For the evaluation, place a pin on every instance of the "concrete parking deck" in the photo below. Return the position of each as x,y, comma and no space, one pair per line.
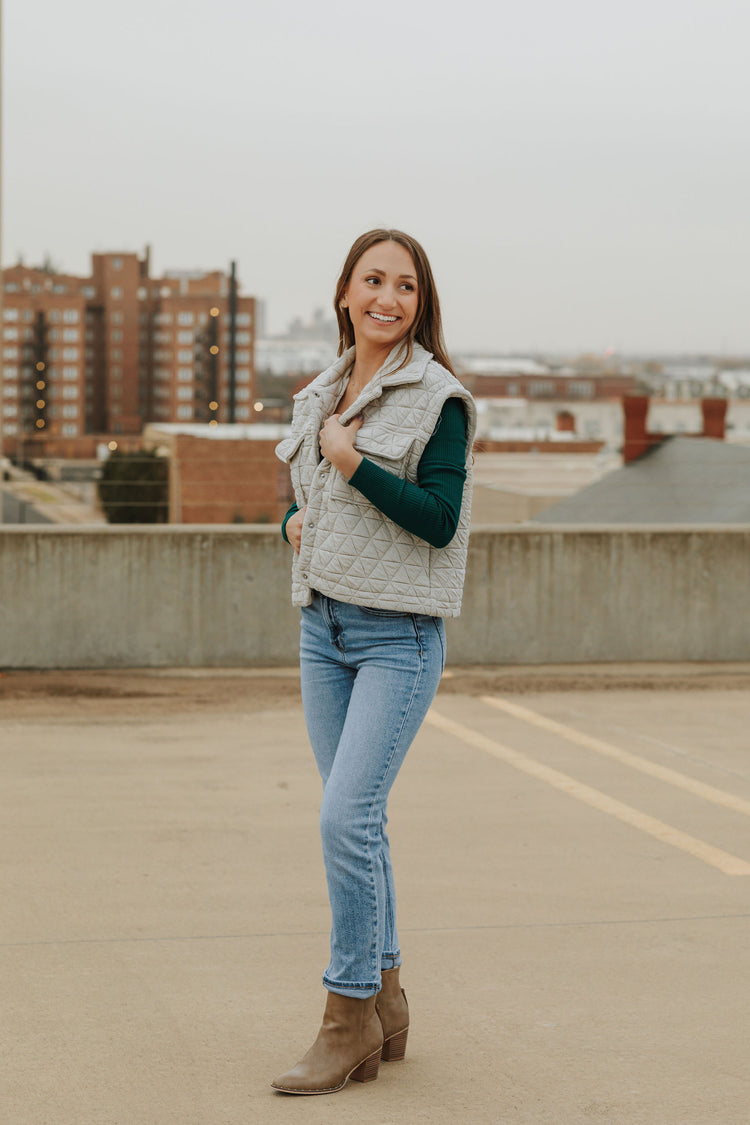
573,867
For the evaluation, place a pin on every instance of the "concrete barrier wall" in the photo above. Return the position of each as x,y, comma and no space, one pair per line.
110,597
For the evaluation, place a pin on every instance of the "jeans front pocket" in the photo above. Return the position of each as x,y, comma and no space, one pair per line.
383,612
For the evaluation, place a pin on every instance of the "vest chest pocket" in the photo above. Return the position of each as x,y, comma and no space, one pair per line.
390,451
387,452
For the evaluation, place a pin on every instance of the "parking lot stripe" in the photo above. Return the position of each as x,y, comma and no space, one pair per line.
665,833
635,761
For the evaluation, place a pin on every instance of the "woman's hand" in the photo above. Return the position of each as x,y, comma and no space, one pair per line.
294,528
337,444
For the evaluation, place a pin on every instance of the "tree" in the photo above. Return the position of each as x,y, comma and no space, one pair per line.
133,488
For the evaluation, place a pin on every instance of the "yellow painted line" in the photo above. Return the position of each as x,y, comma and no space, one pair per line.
665,833
635,761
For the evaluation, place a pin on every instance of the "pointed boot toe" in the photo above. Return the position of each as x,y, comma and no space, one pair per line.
348,1046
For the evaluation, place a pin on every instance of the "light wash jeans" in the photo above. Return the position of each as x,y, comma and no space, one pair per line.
368,679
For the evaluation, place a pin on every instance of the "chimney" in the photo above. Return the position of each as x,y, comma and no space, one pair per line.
714,417
636,440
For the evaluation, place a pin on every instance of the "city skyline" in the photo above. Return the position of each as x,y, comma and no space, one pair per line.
578,177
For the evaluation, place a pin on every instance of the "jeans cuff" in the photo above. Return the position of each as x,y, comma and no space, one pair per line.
390,961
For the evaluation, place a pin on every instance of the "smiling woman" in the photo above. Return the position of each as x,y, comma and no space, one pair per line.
380,459
382,301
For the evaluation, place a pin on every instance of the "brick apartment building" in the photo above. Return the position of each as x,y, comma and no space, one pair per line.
105,354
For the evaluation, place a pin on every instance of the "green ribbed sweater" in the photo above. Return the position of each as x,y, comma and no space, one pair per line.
429,509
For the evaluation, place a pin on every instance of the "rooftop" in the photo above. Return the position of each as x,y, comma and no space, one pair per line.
692,480
573,855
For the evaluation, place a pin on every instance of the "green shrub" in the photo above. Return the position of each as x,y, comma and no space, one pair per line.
134,488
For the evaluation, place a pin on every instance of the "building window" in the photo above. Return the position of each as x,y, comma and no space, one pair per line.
70,411
11,372
243,375
184,337
10,427
68,353
243,394
11,287
243,337
70,316
70,334
117,263
10,353
185,374
581,389
116,335
243,412
243,319
183,356
10,390
541,388
184,412
116,293
70,372
70,392
10,314
185,318
89,292
116,353
10,410
243,357
70,429
10,333
185,393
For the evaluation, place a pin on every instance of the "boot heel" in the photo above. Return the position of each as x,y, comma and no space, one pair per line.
395,1047
367,1071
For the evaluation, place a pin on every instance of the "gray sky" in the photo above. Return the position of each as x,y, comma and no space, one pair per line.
578,173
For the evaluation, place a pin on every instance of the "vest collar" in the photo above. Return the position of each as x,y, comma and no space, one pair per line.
328,387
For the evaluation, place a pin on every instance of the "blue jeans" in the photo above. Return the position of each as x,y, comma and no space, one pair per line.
368,678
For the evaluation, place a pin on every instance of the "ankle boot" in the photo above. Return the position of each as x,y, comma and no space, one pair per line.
348,1046
393,1011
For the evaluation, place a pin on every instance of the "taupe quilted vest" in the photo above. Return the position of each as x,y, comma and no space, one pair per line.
350,550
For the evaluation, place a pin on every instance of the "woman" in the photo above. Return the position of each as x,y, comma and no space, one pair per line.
380,459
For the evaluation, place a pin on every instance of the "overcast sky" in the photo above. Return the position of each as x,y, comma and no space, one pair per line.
579,172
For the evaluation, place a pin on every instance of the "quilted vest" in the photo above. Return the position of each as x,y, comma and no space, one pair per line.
350,550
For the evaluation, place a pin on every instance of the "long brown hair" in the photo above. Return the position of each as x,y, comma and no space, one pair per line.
427,328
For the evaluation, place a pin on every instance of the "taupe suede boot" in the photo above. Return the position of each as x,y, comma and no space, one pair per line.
393,1011
348,1046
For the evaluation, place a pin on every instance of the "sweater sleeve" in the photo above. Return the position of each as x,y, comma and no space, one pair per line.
429,509
294,508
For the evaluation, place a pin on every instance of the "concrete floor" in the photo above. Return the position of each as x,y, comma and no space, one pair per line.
574,888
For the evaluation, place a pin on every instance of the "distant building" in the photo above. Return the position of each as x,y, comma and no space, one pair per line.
304,349
107,353
223,474
283,357
530,380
